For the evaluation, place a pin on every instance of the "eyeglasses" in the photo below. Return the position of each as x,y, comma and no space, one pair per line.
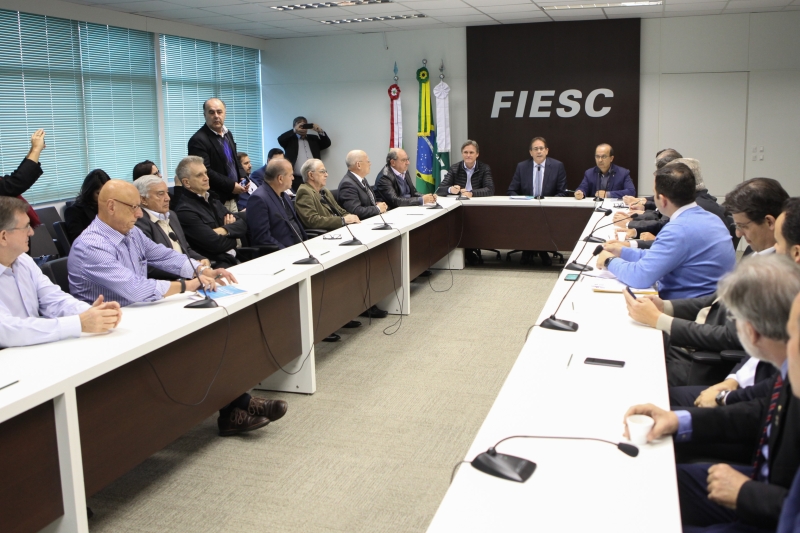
741,226
26,227
323,171
134,208
601,157
538,149
406,160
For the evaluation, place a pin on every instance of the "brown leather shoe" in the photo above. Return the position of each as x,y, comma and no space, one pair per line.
271,409
240,421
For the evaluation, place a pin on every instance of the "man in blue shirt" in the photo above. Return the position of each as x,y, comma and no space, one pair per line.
605,179
689,255
760,294
33,310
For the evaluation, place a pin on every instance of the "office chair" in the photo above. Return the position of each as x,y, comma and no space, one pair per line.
56,270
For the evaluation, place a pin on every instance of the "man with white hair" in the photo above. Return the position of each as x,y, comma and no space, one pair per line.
160,224
316,207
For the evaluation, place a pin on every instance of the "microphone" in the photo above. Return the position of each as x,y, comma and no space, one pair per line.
436,205
310,260
385,224
353,241
591,238
518,469
206,302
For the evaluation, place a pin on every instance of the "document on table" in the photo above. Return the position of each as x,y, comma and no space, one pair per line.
521,197
613,285
602,274
221,292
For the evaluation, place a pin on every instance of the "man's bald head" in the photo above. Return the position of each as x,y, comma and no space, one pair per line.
358,162
119,205
278,175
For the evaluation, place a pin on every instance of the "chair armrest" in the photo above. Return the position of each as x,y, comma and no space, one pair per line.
733,356
707,358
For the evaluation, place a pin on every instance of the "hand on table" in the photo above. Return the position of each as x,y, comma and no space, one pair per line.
101,317
658,302
724,484
428,198
614,247
579,195
382,206
666,422
647,236
600,194
222,276
642,310
351,219
601,259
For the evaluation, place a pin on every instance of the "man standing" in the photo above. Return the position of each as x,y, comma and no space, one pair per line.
540,175
32,309
214,143
394,183
300,147
469,177
605,179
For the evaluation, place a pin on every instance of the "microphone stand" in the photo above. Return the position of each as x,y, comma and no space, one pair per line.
206,302
353,241
592,238
310,260
574,265
385,224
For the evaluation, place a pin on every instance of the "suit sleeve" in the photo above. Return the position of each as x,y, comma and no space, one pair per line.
446,183
687,308
348,198
761,389
760,504
705,336
21,179
585,186
488,184
307,213
197,231
516,182
218,182
628,188
324,141
386,190
259,229
283,140
561,181
654,225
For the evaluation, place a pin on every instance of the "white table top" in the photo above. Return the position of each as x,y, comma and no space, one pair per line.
578,485
506,201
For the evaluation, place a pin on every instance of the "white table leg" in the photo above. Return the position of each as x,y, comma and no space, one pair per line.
71,467
303,376
399,301
452,261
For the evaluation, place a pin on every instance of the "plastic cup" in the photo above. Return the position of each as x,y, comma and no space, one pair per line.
622,235
638,428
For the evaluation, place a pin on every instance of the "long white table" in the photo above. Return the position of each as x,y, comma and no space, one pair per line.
577,485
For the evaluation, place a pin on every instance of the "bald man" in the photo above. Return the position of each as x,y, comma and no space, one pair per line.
355,194
110,259
605,179
270,210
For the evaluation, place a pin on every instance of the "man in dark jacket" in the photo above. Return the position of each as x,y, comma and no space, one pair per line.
394,182
22,179
468,177
214,143
300,147
725,498
210,228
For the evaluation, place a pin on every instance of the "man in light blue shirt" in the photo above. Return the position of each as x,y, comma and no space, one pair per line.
691,253
760,294
32,309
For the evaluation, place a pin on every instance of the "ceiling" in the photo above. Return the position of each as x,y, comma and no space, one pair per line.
256,18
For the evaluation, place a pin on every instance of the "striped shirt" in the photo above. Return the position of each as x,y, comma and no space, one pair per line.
104,261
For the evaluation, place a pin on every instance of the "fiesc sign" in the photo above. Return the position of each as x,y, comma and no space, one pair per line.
569,100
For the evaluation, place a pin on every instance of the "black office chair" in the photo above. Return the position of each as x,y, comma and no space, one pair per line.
335,193
558,255
710,368
42,244
56,270
48,216
62,239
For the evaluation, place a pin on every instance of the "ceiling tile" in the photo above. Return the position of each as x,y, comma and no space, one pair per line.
412,24
432,4
325,13
138,7
698,6
464,18
637,10
458,12
684,2
515,8
271,16
611,15
765,9
497,3
239,9
740,4
572,13
522,19
207,3
378,9
180,14
691,13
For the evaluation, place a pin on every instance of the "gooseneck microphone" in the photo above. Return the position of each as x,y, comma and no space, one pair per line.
385,224
592,238
206,302
310,260
518,469
353,241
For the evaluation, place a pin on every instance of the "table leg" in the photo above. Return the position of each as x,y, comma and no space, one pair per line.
399,301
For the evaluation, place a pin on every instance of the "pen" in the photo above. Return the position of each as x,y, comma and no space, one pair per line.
279,271
12,383
417,214
570,360
323,253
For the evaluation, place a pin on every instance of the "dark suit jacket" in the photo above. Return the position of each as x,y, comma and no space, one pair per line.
619,184
20,181
289,143
389,190
313,214
154,232
717,334
482,184
355,198
790,515
554,182
762,386
206,144
652,221
758,503
199,218
268,219
77,218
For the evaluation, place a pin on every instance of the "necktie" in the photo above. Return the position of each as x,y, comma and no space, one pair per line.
369,190
760,457
537,182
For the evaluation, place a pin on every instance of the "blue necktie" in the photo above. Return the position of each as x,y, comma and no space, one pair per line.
537,181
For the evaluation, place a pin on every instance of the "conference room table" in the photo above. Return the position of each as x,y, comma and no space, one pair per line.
578,485
77,414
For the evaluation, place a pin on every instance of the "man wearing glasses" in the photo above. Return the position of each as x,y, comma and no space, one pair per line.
316,207
605,179
394,182
540,175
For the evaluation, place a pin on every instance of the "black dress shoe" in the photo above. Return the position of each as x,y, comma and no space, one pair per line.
546,260
471,256
426,274
333,337
352,324
240,421
374,312
272,409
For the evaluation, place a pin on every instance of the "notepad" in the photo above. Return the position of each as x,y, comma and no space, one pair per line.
613,285
521,197
221,292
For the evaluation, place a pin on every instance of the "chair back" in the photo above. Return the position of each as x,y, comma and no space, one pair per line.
42,243
48,216
56,270
62,239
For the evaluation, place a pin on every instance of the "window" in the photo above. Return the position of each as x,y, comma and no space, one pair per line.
192,71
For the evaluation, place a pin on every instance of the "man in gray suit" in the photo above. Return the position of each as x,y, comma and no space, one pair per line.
160,224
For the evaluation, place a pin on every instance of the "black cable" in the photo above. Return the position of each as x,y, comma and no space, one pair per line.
453,475
219,367
399,321
549,437
549,231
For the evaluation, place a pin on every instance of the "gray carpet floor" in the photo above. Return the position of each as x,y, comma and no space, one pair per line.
374,448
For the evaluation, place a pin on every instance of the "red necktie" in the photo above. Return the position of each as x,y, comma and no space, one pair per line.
773,402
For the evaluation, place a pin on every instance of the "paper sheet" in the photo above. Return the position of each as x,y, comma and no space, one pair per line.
613,285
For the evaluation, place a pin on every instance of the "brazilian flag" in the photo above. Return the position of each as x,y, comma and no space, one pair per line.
426,137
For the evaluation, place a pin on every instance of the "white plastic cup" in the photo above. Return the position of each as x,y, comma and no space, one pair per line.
622,235
638,428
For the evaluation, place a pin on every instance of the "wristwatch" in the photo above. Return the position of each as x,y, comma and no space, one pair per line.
721,395
183,285
608,260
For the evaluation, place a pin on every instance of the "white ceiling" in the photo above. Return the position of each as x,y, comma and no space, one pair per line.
256,19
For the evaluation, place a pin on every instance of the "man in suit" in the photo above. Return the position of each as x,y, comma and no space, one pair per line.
755,205
214,143
315,205
160,224
394,182
605,179
272,216
210,228
540,175
257,177
356,196
685,262
468,177
790,514
300,147
760,294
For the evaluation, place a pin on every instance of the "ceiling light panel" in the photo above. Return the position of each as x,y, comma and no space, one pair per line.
373,19
322,5
601,5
